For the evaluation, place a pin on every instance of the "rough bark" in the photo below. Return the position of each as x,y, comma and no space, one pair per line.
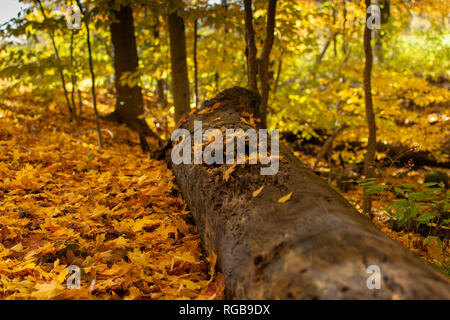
129,102
250,49
178,64
314,246
369,160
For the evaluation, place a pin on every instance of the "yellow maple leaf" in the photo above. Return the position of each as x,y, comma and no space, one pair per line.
285,198
45,291
138,258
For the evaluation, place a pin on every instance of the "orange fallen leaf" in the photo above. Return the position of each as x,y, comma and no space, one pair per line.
228,172
285,198
256,192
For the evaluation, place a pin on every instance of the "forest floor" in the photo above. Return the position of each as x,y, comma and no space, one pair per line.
112,212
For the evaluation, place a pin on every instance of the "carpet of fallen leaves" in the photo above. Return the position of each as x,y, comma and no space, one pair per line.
113,212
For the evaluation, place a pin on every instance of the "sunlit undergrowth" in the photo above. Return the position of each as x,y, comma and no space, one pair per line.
414,214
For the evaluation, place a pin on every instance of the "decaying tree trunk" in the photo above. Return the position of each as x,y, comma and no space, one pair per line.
314,246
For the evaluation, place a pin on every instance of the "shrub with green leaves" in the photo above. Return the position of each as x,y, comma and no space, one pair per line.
425,210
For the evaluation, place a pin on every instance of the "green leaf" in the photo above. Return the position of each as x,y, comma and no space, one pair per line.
417,196
426,217
375,189
399,190
428,184
431,239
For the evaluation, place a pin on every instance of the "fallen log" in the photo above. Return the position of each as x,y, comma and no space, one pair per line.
313,246
395,154
398,155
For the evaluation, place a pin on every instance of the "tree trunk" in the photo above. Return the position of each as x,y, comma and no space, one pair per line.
264,61
344,25
195,63
326,148
178,64
314,246
334,34
129,102
369,161
250,48
73,77
59,63
277,79
91,69
323,51
385,11
162,103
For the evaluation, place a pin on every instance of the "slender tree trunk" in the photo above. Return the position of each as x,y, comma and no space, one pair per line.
344,25
216,80
334,34
73,77
326,148
264,61
277,79
162,102
369,161
80,101
195,63
59,64
129,101
91,68
250,49
160,93
178,64
385,11
323,51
